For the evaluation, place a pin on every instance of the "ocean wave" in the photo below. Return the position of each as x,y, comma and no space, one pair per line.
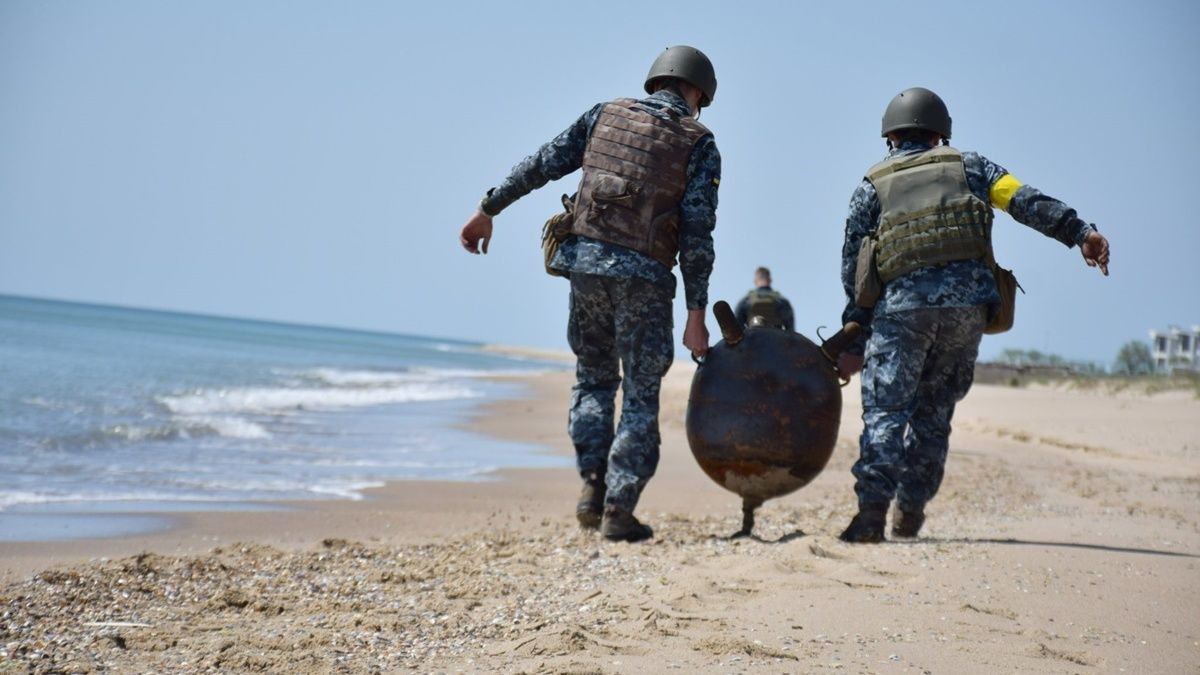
10,499
338,377
183,427
364,378
275,400
201,492
230,427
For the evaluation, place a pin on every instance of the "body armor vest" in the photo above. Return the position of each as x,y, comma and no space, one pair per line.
634,177
928,214
766,305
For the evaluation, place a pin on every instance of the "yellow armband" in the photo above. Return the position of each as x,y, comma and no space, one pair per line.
1003,190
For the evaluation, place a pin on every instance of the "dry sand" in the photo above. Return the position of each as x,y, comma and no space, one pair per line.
1066,539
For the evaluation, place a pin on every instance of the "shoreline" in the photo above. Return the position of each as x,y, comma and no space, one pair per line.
1065,538
294,524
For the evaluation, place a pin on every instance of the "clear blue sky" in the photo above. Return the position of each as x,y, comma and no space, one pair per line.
313,162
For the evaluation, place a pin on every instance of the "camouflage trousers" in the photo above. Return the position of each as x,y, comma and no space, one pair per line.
919,363
615,325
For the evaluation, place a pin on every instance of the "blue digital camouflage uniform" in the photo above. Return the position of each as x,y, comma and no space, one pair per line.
922,337
620,309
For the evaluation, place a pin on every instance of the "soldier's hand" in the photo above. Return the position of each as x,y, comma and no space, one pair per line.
695,333
1095,251
477,229
849,364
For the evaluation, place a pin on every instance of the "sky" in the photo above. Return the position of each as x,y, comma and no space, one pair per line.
313,162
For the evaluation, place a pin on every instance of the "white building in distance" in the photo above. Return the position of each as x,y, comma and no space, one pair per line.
1176,349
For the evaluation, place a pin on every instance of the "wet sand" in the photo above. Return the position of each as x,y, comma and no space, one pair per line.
1066,539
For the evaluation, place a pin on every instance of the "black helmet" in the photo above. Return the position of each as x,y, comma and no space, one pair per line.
917,108
688,64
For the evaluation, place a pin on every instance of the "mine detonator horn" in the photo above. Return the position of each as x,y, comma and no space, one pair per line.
731,328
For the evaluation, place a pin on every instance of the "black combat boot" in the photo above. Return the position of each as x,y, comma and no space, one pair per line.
907,523
590,508
620,525
867,526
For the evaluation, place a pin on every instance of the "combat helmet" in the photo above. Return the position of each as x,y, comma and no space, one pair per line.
917,108
688,64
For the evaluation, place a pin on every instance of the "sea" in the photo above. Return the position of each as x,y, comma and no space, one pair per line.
111,417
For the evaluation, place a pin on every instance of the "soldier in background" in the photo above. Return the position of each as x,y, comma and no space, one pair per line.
648,194
924,330
767,303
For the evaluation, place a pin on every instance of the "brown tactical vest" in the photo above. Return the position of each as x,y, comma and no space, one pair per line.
634,177
928,214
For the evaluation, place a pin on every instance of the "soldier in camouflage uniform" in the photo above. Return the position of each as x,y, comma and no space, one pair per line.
929,209
766,303
648,194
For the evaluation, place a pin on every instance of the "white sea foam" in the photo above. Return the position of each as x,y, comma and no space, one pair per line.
187,426
231,427
351,491
9,498
226,491
364,378
133,432
267,400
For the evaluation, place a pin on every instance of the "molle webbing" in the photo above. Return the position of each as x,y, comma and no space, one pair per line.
634,177
766,305
928,214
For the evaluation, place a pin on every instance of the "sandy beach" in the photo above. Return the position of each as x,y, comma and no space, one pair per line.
1066,539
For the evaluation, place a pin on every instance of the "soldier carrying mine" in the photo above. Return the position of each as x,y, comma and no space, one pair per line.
647,196
921,221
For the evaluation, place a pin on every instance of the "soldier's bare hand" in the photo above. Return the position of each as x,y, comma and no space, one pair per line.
477,229
1095,251
695,333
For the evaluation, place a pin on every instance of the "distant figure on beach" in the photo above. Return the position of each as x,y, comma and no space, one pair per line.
767,303
922,221
648,194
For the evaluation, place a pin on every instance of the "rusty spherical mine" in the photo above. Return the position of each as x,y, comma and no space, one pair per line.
764,411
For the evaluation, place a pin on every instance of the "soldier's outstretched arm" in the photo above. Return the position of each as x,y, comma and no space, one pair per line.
557,158
561,156
1032,208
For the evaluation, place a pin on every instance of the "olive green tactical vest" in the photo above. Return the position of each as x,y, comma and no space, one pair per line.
928,214
634,177
766,305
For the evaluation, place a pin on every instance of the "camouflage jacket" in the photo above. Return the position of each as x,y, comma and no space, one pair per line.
957,284
698,211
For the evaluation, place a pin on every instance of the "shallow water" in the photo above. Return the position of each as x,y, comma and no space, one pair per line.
106,405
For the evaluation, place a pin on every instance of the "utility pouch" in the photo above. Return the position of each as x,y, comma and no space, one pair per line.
555,231
867,287
1000,316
